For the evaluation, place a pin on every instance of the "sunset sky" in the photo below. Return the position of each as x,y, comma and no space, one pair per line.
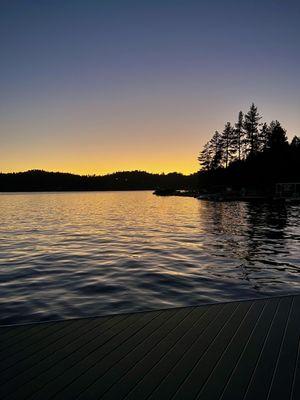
105,85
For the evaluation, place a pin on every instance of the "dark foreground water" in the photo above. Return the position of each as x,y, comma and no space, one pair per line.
68,255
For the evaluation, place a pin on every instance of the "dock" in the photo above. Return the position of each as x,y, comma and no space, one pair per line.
238,350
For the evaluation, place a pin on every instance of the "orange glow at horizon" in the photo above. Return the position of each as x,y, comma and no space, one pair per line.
100,168
94,137
86,142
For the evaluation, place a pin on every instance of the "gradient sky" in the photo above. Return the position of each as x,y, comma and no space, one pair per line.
98,86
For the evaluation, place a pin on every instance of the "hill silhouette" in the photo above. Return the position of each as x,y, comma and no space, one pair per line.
39,180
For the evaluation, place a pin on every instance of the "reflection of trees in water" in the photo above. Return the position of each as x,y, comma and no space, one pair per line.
226,227
265,241
251,234
266,225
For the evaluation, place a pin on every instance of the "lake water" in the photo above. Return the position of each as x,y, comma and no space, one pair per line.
65,255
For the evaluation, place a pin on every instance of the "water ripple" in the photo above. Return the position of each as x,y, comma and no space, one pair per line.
65,255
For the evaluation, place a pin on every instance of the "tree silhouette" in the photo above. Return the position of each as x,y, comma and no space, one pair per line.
295,143
228,143
277,138
216,144
239,135
252,154
205,157
264,136
251,126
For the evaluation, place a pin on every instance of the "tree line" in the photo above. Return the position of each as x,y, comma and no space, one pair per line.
246,138
39,180
250,151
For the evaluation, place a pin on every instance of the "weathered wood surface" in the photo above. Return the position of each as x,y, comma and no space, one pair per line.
240,350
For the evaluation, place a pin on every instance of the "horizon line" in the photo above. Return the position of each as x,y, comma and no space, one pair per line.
100,175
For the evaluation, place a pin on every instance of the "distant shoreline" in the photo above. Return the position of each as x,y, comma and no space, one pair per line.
43,181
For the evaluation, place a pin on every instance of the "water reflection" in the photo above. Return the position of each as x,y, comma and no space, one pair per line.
76,254
257,237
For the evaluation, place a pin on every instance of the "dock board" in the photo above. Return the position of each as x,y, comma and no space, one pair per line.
239,350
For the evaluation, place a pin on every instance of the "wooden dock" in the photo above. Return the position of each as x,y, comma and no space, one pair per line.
238,350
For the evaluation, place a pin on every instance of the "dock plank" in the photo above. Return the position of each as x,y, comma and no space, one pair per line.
286,363
144,337
242,350
238,381
258,315
153,377
52,352
255,381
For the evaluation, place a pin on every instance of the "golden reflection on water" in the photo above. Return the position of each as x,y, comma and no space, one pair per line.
87,253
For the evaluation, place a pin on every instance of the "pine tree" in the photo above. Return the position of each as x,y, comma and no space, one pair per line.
239,136
205,157
251,126
277,137
264,137
227,144
216,150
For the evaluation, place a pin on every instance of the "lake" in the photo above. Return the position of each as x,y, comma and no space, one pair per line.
66,255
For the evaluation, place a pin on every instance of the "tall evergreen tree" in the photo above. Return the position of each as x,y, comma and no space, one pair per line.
264,137
227,144
205,157
216,150
251,126
277,137
239,136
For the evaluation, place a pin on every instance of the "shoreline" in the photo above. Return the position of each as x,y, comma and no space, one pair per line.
226,197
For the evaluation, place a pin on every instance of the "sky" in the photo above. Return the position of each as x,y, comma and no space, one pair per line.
96,86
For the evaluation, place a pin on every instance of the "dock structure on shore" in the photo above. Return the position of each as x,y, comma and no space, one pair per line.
238,350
